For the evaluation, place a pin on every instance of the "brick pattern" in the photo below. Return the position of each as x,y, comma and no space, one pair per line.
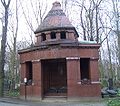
70,35
75,89
57,49
59,52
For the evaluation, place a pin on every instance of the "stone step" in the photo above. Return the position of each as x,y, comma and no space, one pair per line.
54,99
6,93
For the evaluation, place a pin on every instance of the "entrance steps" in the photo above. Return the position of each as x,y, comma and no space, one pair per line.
55,99
6,93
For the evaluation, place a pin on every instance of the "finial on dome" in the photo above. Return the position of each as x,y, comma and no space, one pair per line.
56,5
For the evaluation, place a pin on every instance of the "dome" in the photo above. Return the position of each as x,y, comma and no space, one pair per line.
55,19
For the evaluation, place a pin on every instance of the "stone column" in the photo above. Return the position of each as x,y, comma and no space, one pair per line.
48,37
58,35
38,39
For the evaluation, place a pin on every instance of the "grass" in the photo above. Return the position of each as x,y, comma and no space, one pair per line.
113,102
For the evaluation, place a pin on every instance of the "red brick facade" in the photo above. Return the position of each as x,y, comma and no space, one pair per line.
56,62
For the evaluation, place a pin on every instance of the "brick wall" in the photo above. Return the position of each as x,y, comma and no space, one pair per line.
75,88
59,53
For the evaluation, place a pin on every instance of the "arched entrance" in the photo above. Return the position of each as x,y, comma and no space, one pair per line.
54,77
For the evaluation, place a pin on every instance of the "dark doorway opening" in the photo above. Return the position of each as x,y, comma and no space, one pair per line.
29,72
63,35
53,35
85,68
43,37
54,77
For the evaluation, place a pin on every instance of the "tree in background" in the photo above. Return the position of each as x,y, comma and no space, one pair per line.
112,41
89,12
34,12
12,57
116,25
99,22
3,44
92,18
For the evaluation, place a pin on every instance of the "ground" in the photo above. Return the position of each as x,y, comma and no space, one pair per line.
18,102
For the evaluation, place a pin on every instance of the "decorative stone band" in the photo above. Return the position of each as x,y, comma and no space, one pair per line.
93,82
56,12
72,58
78,58
38,60
78,82
94,58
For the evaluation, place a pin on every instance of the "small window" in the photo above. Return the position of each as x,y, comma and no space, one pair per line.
84,68
43,37
53,35
63,35
29,73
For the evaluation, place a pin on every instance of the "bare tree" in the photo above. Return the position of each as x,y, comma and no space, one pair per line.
33,14
12,61
97,4
3,44
110,73
89,18
116,29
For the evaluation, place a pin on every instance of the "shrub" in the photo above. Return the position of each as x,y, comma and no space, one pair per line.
113,102
14,94
118,94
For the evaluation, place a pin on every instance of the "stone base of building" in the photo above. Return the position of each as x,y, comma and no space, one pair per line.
31,98
59,99
84,99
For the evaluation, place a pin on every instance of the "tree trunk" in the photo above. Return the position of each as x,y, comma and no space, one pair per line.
3,47
110,73
2,61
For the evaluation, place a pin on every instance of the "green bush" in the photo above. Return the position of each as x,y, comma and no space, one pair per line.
104,83
14,94
113,102
118,94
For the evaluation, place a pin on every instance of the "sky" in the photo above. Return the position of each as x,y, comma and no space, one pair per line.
23,30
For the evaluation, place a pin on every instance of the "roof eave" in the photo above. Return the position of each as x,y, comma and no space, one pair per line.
56,28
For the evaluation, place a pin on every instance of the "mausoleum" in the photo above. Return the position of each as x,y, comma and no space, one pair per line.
58,65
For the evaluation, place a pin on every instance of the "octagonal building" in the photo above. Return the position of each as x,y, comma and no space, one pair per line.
59,65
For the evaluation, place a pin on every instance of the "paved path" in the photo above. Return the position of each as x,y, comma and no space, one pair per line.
70,104
9,104
18,102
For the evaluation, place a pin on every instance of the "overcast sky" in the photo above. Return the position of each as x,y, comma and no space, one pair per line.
23,32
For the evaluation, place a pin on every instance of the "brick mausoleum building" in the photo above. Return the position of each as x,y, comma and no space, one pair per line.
58,64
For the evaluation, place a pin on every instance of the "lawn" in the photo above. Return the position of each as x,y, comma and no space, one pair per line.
113,102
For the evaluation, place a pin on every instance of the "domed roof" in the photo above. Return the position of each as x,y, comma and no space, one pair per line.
55,19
